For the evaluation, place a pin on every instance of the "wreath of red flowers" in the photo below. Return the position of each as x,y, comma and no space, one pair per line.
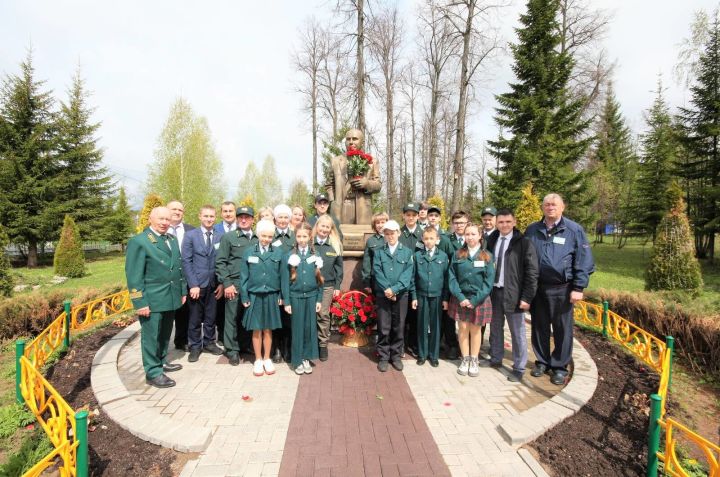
354,312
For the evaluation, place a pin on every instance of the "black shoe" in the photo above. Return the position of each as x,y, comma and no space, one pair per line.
161,381
420,362
453,353
194,355
277,357
213,349
490,364
397,364
171,367
515,377
324,354
538,370
559,377
382,366
434,363
233,359
185,348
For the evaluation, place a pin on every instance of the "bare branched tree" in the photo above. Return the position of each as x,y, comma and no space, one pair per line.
334,89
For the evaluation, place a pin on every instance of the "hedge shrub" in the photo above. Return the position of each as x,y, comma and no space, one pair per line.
69,258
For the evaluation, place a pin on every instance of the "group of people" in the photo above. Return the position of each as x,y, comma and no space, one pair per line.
231,288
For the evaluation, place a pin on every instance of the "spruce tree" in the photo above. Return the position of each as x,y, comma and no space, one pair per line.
84,181
655,171
673,265
30,208
119,224
69,258
6,279
151,201
542,131
701,128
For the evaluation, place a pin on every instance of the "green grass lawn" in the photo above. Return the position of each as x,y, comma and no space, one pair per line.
102,270
623,269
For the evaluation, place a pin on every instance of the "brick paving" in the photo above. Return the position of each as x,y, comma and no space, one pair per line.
351,420
345,419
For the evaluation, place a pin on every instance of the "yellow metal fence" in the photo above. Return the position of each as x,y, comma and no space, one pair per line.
66,429
658,355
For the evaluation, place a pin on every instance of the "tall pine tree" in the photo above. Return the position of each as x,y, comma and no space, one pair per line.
701,127
84,181
29,166
543,133
119,225
656,168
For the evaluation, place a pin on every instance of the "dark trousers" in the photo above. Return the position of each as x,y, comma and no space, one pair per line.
220,318
516,323
181,326
201,322
411,329
429,313
155,333
449,335
282,336
233,316
552,312
391,326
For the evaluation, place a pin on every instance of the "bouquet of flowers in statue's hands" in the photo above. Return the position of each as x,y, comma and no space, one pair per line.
358,163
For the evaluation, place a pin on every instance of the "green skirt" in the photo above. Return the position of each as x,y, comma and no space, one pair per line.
263,312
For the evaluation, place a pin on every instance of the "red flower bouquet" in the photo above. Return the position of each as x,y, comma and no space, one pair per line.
354,312
358,163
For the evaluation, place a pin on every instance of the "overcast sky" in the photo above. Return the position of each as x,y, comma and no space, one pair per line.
231,61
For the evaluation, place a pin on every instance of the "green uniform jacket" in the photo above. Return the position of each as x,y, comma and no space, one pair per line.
471,278
395,272
431,275
230,255
154,274
305,284
373,243
332,270
411,241
260,274
454,243
285,241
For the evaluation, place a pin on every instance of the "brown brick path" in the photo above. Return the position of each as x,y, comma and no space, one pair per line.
351,420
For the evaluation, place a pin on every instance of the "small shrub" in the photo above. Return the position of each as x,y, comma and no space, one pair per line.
33,449
673,265
528,209
6,280
69,258
12,417
151,201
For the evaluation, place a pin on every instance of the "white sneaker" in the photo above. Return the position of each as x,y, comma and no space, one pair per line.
473,369
307,368
464,365
269,367
300,369
258,368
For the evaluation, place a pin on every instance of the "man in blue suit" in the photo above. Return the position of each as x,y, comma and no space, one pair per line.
228,222
198,258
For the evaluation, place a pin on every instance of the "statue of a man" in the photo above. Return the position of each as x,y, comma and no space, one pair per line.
351,196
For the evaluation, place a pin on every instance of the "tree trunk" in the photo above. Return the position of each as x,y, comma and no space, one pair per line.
32,258
314,134
361,65
432,153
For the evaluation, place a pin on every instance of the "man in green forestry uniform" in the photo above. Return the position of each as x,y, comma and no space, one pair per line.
227,268
153,268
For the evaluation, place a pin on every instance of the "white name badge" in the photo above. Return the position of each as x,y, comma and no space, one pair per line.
479,263
217,246
559,240
311,259
277,243
253,259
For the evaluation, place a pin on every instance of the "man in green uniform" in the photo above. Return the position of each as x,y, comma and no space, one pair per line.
153,269
227,268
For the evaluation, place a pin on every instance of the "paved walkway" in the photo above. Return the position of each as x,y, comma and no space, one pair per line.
345,419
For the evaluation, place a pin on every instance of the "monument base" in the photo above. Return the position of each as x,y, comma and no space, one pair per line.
354,238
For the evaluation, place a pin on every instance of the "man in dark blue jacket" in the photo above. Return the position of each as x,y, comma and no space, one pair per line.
198,258
565,265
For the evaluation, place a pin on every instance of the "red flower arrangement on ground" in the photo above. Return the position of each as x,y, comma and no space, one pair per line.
358,163
354,312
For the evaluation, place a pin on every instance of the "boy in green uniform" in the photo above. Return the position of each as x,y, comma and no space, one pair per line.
227,268
373,243
153,269
393,273
411,238
430,296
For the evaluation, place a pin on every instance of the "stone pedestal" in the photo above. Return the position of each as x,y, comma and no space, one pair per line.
354,238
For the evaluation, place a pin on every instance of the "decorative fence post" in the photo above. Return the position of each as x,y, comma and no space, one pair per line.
66,340
654,435
670,342
81,425
19,352
606,308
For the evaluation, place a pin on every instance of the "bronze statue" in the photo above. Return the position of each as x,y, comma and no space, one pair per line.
351,197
